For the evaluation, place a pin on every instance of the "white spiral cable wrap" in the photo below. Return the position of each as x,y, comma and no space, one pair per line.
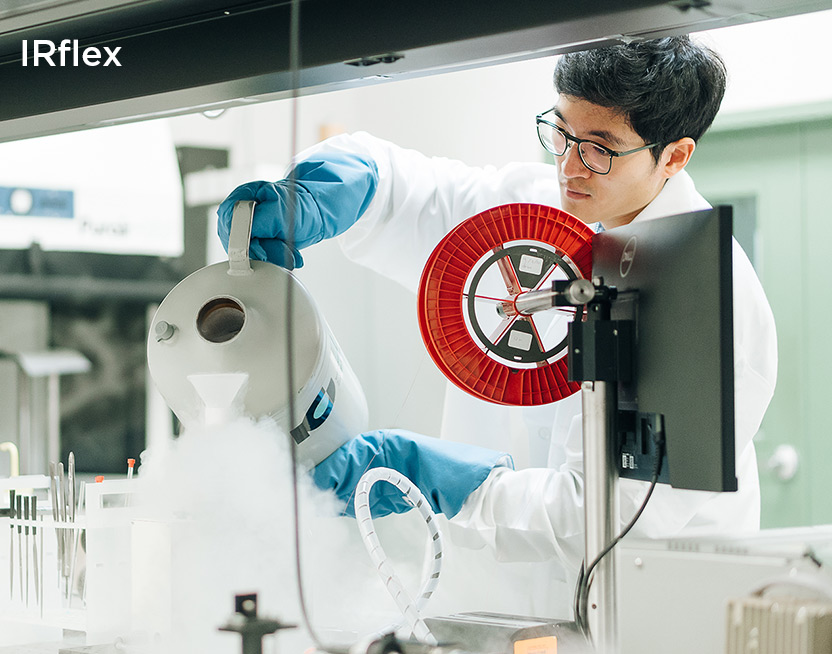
410,610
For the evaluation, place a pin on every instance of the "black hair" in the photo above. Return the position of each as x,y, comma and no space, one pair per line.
667,88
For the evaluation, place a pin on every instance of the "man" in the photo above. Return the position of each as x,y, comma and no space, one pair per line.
624,126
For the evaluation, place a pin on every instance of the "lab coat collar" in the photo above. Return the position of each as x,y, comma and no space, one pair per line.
679,195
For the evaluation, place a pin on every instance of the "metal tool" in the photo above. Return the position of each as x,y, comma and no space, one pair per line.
78,549
65,533
71,540
35,548
26,534
53,497
19,513
71,488
41,570
59,515
11,544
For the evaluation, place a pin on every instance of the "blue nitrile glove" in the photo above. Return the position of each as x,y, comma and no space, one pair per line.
332,193
446,472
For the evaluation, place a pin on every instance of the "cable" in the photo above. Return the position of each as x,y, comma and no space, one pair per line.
294,69
585,575
411,611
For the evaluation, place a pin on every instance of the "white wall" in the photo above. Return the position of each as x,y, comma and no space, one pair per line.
776,65
483,116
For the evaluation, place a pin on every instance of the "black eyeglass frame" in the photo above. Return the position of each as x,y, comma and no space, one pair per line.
574,139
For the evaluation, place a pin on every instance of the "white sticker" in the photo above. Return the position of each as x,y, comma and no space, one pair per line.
520,340
532,265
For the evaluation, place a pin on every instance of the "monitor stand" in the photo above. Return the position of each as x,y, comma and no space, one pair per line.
601,510
600,355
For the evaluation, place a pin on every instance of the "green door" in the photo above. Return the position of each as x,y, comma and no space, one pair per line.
778,178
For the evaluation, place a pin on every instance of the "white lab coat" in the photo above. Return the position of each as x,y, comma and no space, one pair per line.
536,513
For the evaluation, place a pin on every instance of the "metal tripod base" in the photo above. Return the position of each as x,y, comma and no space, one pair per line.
251,628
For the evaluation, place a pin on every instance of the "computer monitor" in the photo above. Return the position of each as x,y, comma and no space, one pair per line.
674,280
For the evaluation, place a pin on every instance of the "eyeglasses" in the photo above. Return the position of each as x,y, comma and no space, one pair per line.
594,156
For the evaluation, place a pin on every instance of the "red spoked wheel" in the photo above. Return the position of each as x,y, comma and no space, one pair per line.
467,295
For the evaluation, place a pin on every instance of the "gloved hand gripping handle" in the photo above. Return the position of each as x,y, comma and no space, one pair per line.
323,197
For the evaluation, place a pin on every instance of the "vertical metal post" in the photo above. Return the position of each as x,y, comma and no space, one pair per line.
594,360
53,398
601,512
24,422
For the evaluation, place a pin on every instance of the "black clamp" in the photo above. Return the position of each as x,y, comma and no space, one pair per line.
599,348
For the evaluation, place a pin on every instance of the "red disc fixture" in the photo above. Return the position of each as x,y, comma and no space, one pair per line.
467,312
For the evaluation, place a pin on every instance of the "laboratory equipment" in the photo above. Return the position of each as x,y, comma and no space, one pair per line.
411,609
75,563
471,295
19,514
494,632
625,346
36,579
65,506
23,515
671,273
47,546
250,626
779,624
12,516
218,347
50,365
704,581
639,421
646,274
14,457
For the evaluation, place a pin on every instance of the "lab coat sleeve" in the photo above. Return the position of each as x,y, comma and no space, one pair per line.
534,514
419,199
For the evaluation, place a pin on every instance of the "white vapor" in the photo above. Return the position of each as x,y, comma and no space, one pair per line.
218,520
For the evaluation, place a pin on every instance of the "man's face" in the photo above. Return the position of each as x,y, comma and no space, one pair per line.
616,198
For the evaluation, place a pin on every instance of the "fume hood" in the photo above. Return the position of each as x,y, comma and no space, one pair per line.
181,56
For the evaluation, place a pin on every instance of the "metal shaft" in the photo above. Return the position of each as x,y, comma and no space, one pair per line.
62,514
35,548
53,487
26,534
41,573
533,301
577,293
19,513
600,509
11,544
53,423
72,535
